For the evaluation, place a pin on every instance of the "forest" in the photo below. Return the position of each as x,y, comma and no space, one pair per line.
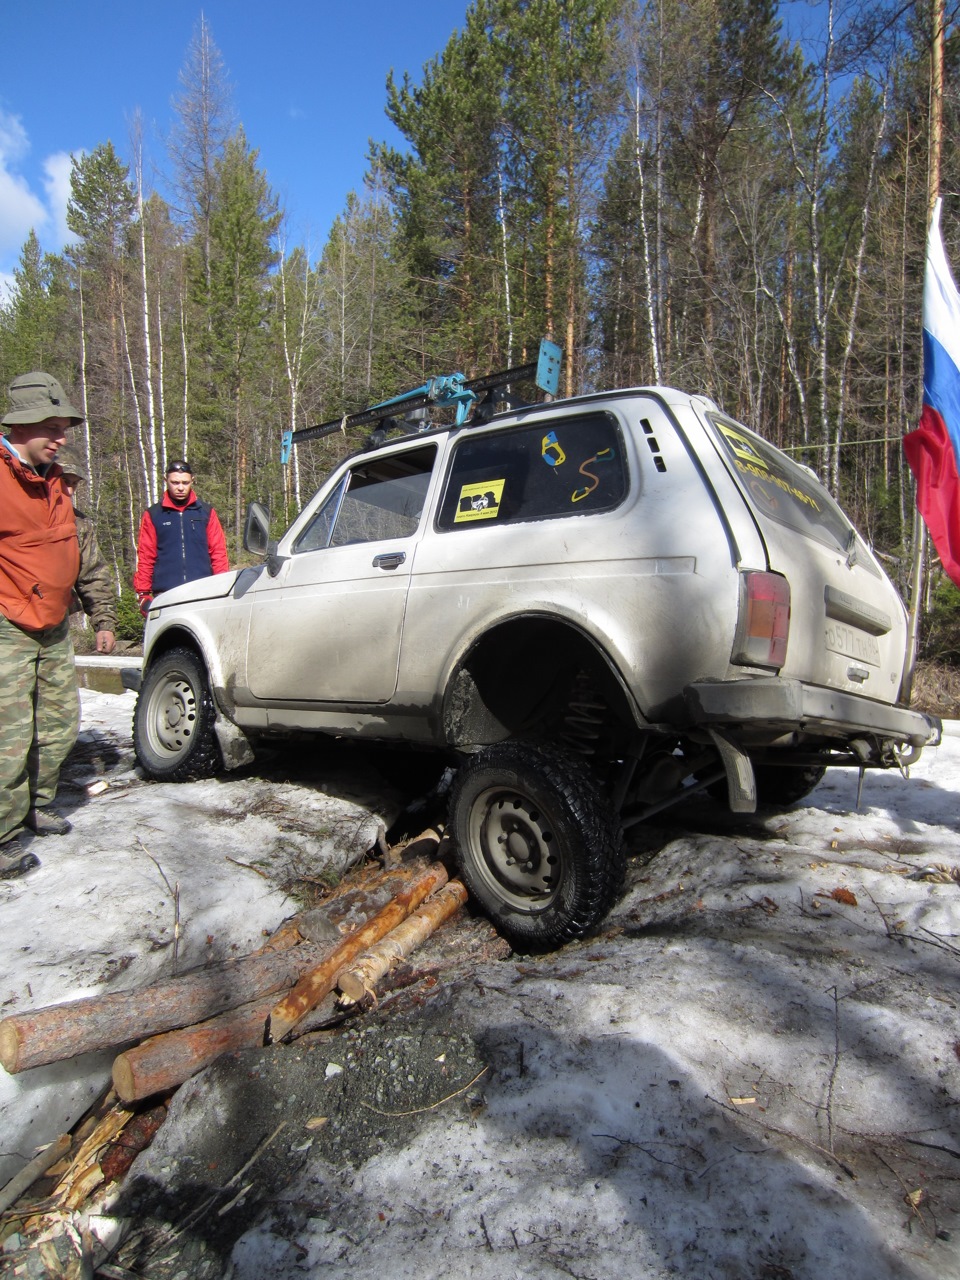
675,191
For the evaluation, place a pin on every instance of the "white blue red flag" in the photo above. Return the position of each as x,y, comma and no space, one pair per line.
933,450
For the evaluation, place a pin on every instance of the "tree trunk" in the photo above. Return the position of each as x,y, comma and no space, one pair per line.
165,1061
97,1022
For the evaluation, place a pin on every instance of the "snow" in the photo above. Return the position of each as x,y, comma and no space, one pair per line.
143,862
752,1070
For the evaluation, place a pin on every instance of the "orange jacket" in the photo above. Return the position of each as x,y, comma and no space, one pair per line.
39,550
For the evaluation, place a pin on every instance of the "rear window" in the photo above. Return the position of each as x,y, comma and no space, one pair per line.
782,490
573,466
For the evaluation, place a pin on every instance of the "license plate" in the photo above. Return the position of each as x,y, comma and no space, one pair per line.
852,644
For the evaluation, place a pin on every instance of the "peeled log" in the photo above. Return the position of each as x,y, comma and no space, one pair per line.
319,982
361,979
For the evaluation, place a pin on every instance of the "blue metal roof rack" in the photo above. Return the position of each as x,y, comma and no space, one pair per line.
441,392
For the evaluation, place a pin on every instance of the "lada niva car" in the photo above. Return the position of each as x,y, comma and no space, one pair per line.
597,606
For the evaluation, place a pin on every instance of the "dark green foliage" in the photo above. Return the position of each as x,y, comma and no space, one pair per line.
940,639
129,617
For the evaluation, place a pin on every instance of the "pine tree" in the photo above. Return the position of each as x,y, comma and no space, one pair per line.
243,224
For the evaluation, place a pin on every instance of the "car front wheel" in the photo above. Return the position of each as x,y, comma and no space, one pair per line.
537,847
173,733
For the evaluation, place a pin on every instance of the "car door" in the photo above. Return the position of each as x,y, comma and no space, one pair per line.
329,626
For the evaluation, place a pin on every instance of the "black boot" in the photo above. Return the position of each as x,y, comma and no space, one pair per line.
15,860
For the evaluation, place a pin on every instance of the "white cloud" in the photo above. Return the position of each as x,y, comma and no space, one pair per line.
14,143
56,181
22,208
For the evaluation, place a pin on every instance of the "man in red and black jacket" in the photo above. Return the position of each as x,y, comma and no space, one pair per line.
180,539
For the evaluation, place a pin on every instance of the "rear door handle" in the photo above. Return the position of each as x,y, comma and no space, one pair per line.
389,560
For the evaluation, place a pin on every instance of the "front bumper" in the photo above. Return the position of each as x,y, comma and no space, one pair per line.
783,706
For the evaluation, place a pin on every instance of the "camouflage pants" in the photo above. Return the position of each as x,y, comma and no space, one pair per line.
38,717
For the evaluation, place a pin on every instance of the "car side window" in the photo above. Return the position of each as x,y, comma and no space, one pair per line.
571,466
378,498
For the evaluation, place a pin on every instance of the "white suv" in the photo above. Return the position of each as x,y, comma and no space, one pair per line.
599,605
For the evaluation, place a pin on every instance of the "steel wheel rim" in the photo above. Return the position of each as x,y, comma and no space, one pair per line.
173,719
517,851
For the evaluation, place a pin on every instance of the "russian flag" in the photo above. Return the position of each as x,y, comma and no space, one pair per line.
933,450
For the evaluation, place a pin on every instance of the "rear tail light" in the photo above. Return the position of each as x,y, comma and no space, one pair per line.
764,623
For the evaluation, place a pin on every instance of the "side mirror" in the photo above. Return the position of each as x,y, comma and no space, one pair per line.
256,530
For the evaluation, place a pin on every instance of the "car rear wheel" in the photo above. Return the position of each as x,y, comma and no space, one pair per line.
537,847
173,733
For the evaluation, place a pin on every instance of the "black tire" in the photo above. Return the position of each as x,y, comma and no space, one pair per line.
537,847
173,734
782,785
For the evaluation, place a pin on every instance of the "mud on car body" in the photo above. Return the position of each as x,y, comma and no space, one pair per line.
600,605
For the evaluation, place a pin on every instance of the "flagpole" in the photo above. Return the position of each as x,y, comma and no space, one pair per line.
933,191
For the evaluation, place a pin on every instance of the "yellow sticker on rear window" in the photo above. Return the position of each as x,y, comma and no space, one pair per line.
479,501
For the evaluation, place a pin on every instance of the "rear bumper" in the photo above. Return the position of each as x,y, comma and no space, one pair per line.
786,705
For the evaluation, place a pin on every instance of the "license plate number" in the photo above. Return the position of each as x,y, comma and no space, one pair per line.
852,644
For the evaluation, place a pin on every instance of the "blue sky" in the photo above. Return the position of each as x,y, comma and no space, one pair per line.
308,81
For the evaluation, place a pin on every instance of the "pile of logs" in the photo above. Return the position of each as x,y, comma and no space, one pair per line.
182,1024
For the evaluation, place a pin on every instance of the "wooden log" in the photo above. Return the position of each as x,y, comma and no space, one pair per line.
116,1018
320,981
165,1061
361,978
62,1031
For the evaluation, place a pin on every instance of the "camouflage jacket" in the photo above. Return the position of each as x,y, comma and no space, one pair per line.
95,592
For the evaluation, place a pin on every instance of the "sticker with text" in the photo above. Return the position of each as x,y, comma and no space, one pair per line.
479,501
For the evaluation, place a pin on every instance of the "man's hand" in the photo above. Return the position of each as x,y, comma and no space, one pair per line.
106,642
144,600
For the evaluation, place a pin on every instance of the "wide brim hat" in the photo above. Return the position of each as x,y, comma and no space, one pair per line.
35,397
71,462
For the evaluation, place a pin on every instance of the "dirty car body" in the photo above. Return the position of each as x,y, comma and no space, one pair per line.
600,605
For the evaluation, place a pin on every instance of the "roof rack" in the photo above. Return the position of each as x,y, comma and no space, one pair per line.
442,392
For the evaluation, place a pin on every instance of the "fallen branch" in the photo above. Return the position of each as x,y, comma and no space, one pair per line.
785,1133
416,1111
24,1180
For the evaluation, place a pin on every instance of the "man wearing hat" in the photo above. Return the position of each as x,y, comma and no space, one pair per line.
39,562
180,539
95,592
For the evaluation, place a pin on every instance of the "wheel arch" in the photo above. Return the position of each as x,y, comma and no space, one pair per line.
515,675
180,637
